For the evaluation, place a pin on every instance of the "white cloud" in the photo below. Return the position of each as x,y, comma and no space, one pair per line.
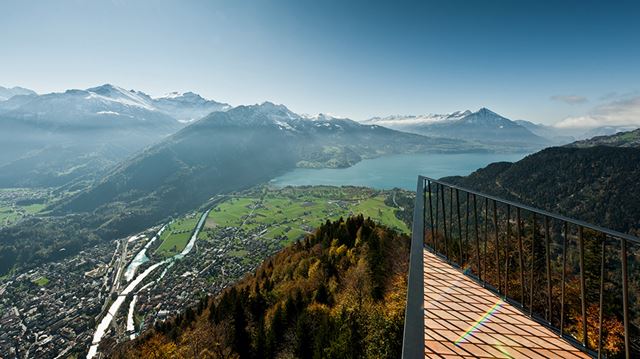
570,99
617,113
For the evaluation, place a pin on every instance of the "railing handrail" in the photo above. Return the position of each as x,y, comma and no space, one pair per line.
577,222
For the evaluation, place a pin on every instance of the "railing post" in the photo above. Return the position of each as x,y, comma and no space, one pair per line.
413,338
520,253
601,299
495,224
475,214
486,236
466,229
461,259
506,251
444,223
625,299
582,288
547,251
451,216
424,213
533,253
433,236
437,213
564,270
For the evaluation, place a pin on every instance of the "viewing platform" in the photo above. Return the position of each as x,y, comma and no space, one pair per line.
492,278
464,320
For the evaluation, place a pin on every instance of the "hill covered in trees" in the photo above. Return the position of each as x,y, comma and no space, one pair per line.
340,292
620,139
598,184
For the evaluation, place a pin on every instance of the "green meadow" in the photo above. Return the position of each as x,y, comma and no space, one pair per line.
291,212
177,235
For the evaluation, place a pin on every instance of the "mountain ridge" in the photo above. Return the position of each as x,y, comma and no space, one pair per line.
483,126
7,93
76,135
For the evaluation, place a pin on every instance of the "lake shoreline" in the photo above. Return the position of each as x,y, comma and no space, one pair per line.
395,171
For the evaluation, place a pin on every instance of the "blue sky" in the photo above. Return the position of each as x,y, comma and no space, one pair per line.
536,60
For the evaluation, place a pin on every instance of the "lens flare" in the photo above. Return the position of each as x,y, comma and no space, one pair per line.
488,314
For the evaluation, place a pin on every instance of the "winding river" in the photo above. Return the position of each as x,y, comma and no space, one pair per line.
139,259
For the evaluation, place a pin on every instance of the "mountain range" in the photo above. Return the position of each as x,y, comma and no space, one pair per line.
495,131
52,139
483,126
232,150
76,137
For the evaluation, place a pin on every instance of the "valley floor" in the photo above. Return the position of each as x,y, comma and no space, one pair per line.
240,231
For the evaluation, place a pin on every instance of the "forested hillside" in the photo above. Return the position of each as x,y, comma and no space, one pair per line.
595,184
340,292
621,139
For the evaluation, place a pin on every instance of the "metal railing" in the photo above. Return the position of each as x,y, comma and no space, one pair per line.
569,275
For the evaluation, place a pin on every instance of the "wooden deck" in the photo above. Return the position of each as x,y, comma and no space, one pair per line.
464,320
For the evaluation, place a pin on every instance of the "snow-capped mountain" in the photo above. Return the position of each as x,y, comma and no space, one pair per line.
7,93
411,120
54,138
98,107
484,126
275,116
188,106
109,101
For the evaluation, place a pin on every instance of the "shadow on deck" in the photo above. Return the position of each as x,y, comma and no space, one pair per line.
464,320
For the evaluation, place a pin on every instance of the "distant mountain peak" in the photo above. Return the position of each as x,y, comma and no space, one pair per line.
486,112
172,94
484,126
323,117
7,93
107,89
268,106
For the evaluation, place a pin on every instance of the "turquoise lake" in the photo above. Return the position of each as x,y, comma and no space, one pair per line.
395,171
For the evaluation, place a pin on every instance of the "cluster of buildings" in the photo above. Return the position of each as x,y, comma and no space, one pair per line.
51,310
218,261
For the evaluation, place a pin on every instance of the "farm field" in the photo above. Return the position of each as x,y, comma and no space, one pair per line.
288,213
176,235
19,203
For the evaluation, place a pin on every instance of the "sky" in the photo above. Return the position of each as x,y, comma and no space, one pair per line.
570,63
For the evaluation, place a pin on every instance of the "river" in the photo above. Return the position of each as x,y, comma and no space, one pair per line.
141,257
115,306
